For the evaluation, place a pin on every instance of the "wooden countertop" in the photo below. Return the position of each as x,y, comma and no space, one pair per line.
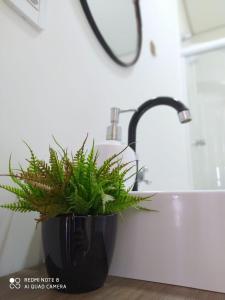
115,289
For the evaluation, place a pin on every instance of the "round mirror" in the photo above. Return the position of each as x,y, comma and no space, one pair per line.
117,25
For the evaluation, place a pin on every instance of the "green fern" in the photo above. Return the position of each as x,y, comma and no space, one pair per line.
71,184
20,206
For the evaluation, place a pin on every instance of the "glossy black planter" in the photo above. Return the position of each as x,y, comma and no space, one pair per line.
78,250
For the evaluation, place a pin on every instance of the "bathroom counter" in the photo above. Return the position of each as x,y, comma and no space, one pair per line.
183,244
115,288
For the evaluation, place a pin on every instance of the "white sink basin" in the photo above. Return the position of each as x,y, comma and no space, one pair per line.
182,244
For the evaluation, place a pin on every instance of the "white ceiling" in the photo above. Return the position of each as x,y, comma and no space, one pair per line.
205,15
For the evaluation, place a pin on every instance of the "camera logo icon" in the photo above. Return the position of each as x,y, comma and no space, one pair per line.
14,283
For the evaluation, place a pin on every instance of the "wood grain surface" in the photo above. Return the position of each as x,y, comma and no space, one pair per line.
115,289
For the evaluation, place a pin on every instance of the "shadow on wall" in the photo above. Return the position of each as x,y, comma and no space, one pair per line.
7,225
35,251
20,242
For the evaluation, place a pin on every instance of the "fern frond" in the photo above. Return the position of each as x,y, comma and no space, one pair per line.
56,166
60,147
20,206
72,184
77,204
17,191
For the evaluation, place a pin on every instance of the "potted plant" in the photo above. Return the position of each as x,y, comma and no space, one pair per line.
78,204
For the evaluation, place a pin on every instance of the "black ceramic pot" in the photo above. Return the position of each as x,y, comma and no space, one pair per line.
78,250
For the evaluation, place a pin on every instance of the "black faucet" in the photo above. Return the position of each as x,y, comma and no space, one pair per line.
183,114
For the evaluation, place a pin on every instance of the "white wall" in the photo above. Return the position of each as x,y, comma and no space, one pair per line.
61,82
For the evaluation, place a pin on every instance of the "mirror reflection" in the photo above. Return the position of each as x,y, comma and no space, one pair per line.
118,27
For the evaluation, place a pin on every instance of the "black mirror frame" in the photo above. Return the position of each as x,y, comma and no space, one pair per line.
103,42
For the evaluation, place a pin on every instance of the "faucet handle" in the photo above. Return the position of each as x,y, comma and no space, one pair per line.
141,176
199,143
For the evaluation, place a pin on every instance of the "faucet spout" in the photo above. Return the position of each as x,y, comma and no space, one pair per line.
183,114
